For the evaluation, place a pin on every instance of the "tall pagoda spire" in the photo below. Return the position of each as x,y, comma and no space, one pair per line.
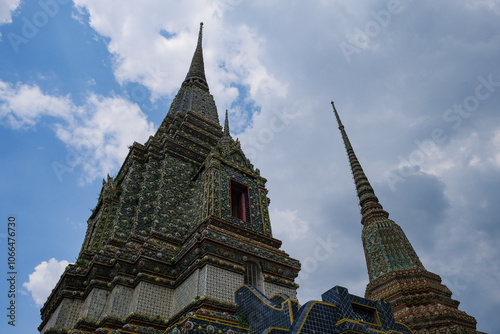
370,206
196,73
417,296
383,255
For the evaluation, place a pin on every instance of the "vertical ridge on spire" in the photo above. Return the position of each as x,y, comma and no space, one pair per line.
196,73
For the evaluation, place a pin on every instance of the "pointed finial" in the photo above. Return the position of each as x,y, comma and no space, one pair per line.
200,34
196,73
347,143
337,115
226,126
370,207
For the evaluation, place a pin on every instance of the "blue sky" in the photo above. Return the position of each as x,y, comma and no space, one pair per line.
417,85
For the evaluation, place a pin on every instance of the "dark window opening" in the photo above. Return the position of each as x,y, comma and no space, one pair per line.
240,203
365,314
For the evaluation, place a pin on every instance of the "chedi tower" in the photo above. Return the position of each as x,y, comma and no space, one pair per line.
417,296
183,224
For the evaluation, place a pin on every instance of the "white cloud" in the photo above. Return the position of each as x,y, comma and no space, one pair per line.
101,138
23,105
44,279
288,225
496,145
132,30
492,5
96,133
7,7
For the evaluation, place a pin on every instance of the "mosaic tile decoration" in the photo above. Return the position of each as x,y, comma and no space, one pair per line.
274,289
118,302
260,312
93,307
67,313
52,320
202,281
198,324
339,312
186,292
221,283
152,299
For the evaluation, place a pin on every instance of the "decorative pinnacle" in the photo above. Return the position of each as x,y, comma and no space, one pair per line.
370,207
196,73
200,33
226,126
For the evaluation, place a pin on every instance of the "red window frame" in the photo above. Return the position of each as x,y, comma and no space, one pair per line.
239,201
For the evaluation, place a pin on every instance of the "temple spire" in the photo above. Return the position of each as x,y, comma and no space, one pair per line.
196,73
417,297
194,95
226,126
371,209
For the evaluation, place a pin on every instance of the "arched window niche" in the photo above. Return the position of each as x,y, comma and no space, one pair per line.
253,276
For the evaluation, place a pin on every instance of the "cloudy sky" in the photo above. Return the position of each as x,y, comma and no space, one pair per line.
417,85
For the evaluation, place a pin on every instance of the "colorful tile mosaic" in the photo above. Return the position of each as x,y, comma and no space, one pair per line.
221,283
152,299
93,307
186,292
118,302
67,313
338,312
274,289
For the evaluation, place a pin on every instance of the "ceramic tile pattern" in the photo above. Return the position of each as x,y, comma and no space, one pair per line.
94,304
335,314
202,281
68,313
152,299
273,289
118,302
186,292
221,283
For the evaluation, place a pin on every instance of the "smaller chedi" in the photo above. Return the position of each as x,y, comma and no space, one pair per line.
417,296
